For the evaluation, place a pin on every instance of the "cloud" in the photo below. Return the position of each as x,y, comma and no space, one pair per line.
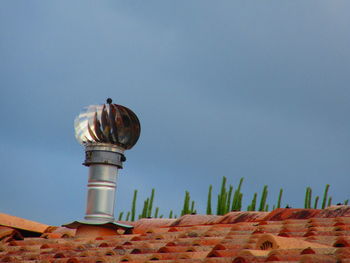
235,89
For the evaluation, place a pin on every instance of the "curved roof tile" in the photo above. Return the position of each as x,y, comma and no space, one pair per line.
234,237
236,217
192,220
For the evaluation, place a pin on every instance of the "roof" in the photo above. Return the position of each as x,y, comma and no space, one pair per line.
21,223
283,235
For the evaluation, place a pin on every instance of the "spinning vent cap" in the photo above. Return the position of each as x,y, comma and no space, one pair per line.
107,123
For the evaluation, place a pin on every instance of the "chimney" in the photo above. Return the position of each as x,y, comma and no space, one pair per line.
103,161
105,131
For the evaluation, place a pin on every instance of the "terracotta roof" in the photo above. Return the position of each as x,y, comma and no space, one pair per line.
283,235
21,225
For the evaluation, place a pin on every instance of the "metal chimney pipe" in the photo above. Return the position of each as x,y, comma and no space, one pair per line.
105,131
103,161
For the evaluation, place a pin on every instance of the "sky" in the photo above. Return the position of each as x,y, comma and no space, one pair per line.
253,89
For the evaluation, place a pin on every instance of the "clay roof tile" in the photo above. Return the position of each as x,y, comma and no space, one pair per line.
342,242
223,253
317,258
335,211
236,217
146,224
291,213
269,242
197,239
194,220
21,223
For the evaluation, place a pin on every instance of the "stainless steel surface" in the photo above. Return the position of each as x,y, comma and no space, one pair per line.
103,162
106,131
103,154
103,147
108,123
101,191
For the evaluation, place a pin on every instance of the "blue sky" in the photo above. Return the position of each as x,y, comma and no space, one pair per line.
253,89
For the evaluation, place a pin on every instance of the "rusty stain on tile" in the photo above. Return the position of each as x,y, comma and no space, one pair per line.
335,211
290,213
236,217
193,220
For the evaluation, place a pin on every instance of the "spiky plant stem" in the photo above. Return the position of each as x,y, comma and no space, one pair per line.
266,208
185,209
279,198
310,198
228,201
307,200
222,198
127,216
145,208
263,199
316,202
325,196
156,212
150,205
133,206
209,212
236,203
192,208
330,201
239,204
253,204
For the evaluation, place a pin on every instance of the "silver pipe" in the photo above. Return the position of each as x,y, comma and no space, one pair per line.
103,161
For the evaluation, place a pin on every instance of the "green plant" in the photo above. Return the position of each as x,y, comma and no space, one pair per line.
316,202
150,205
145,208
252,205
279,198
156,212
228,202
225,201
192,208
330,201
237,197
127,216
263,198
186,206
133,206
209,212
239,202
325,196
308,196
220,208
